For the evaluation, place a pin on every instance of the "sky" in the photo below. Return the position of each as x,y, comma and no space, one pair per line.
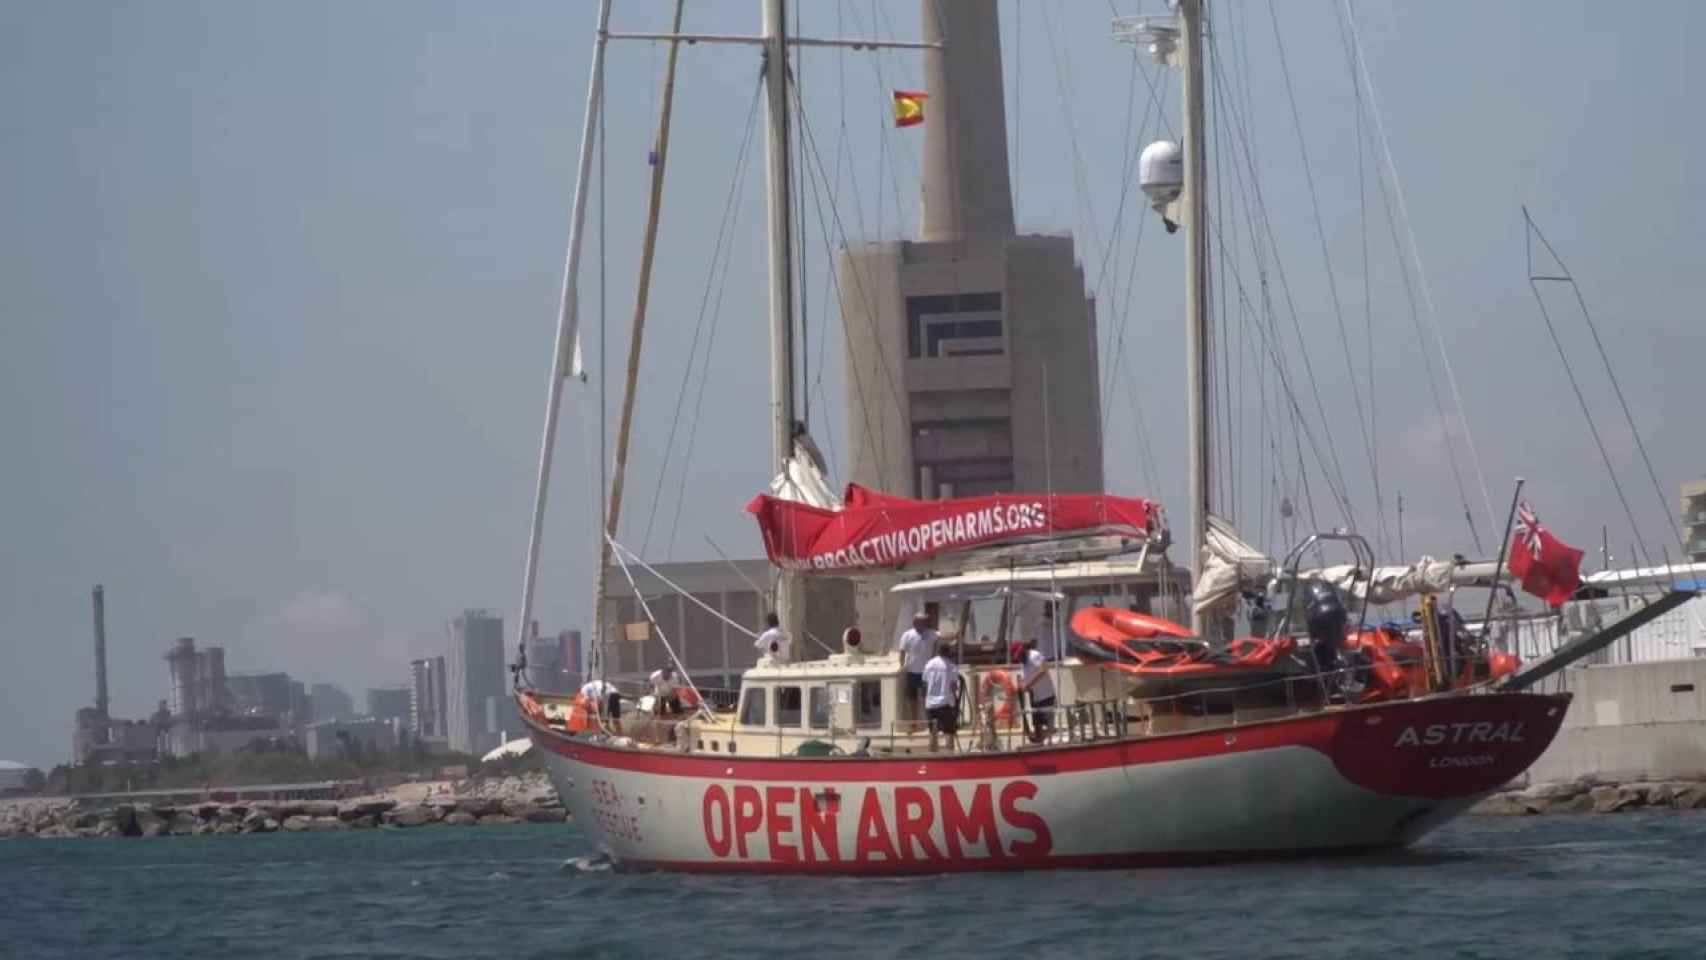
278,286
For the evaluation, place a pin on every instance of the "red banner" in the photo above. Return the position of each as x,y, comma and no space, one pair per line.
877,530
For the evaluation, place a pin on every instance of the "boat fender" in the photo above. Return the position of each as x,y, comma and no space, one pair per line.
1007,705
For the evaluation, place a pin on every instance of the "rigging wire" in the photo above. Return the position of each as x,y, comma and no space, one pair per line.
1326,257
1415,251
720,251
1124,312
603,413
1599,345
865,298
731,216
1080,182
1531,232
1119,220
1367,283
1263,224
1220,336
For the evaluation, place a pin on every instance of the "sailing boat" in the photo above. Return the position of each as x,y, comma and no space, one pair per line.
825,766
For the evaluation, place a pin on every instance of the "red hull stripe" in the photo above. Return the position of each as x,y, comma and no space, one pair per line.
1359,741
1313,732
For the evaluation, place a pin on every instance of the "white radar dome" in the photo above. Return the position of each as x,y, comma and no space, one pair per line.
1161,172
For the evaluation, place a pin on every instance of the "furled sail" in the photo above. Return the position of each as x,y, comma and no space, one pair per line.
871,530
1229,564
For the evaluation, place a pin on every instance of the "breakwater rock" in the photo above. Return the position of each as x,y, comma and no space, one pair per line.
507,800
1594,796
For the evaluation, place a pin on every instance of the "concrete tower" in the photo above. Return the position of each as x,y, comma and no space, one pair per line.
953,336
967,190
971,355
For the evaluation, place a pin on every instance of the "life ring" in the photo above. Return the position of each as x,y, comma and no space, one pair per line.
1006,705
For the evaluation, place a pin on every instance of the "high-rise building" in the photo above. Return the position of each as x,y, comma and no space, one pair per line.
574,656
389,703
328,701
554,663
1694,519
476,670
427,705
259,694
975,369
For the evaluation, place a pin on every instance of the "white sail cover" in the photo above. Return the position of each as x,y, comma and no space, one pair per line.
1387,584
1228,564
803,481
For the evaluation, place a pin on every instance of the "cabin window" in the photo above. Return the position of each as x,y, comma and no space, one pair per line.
788,706
870,704
818,699
752,708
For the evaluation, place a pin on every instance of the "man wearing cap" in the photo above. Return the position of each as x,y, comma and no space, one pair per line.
1036,680
916,647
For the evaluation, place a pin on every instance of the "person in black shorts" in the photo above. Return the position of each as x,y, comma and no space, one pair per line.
941,697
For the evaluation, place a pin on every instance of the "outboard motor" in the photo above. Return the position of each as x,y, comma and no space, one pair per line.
1324,614
1343,672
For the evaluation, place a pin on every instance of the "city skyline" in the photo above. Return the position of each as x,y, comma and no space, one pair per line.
276,321
200,688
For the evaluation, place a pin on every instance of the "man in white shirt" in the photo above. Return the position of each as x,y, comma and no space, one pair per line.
773,642
1036,679
603,696
916,647
942,697
664,698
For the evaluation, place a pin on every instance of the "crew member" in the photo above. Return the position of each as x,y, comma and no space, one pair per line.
774,642
916,646
664,698
1037,681
941,697
603,694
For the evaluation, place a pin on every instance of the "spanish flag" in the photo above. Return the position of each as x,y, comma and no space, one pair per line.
909,108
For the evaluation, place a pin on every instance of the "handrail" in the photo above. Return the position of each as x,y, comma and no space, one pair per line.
1084,721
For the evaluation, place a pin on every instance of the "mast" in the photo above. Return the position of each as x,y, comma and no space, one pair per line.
788,606
1175,176
568,328
1195,220
642,296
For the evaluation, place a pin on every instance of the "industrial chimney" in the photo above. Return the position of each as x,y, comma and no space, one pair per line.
967,192
99,596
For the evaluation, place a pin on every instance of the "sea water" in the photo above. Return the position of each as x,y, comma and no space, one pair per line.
1627,885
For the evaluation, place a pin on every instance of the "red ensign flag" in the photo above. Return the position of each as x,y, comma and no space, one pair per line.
1546,566
909,107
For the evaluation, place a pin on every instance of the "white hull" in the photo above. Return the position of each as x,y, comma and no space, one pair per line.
1362,779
